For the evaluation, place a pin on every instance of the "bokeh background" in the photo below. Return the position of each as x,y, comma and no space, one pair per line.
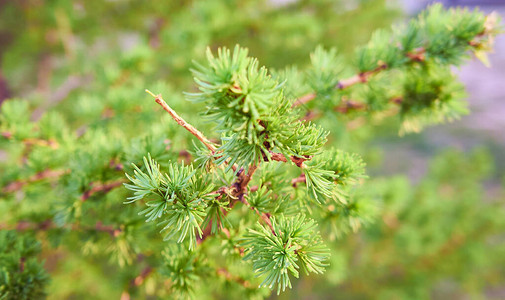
439,234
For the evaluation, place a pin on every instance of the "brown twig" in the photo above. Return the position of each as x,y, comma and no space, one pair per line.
229,277
347,105
343,84
298,161
22,261
32,141
418,55
7,135
299,179
244,181
138,280
17,185
183,123
142,276
104,187
276,157
304,99
359,78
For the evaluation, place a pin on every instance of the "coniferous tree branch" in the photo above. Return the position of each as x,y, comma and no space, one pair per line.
256,112
33,141
183,123
419,55
17,185
230,277
343,84
104,187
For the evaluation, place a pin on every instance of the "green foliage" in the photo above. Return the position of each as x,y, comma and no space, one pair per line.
331,174
326,69
431,95
15,118
291,142
251,111
22,276
180,198
185,269
237,92
412,61
291,244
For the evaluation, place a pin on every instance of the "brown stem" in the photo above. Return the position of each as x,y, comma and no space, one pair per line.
266,218
142,276
247,178
17,185
347,105
229,277
417,55
277,157
304,99
359,78
239,187
238,191
104,187
299,179
344,83
138,280
298,161
22,261
32,141
7,135
183,123
110,229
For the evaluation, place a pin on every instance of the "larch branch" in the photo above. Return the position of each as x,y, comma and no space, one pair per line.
17,185
104,187
182,122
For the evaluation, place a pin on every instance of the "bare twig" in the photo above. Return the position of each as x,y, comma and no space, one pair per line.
343,84
142,276
299,179
104,187
360,78
244,181
347,105
417,55
298,161
17,185
33,141
304,99
229,277
182,122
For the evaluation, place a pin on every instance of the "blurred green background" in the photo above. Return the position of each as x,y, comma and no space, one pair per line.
439,233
